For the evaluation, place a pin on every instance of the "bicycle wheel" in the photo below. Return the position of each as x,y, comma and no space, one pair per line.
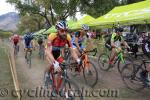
15,51
69,90
90,74
29,59
103,62
122,64
131,77
47,80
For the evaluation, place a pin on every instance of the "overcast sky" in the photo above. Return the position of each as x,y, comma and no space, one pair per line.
5,7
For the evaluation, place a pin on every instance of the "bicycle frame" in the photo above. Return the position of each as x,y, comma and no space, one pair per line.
120,57
61,76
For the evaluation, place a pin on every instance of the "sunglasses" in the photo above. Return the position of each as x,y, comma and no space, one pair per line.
62,31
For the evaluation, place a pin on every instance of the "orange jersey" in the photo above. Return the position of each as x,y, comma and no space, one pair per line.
58,42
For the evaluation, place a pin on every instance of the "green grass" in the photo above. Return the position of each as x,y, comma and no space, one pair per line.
6,80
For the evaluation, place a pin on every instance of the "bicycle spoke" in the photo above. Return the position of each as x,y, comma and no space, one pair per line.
90,74
103,62
131,78
70,91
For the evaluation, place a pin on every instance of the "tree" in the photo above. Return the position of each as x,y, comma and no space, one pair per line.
32,23
35,8
98,8
51,10
124,2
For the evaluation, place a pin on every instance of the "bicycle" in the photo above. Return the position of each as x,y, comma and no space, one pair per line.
135,74
28,57
65,87
104,58
16,50
41,51
87,67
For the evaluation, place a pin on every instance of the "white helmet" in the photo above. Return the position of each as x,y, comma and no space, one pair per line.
61,25
85,27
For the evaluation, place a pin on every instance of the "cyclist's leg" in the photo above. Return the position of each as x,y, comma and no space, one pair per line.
57,56
112,56
75,54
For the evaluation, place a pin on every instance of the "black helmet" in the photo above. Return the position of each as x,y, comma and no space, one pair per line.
119,29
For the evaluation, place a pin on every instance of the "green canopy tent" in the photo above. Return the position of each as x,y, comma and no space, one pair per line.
137,13
83,20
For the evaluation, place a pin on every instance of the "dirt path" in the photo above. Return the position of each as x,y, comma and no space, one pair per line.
32,79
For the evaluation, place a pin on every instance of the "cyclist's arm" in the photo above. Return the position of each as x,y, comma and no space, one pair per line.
48,52
76,42
124,43
33,43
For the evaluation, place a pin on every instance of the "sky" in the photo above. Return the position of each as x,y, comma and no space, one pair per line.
6,7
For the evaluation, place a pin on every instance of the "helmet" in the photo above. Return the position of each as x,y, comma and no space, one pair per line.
119,29
61,25
85,27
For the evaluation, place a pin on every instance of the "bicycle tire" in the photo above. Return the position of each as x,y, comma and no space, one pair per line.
92,81
106,60
15,51
132,78
77,95
120,66
28,59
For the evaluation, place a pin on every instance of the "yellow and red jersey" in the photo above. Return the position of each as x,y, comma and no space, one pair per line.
58,42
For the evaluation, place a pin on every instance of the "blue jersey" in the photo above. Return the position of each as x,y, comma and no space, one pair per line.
80,40
27,39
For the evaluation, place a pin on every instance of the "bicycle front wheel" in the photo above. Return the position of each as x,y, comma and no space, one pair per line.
90,74
29,59
131,77
69,90
103,62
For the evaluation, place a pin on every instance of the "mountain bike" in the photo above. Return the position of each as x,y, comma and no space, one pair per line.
63,87
87,68
120,59
134,75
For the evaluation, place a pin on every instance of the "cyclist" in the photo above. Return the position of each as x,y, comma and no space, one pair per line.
78,38
15,40
55,46
41,43
28,43
77,42
115,43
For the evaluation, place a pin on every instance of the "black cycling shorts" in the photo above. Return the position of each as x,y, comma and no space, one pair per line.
56,53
